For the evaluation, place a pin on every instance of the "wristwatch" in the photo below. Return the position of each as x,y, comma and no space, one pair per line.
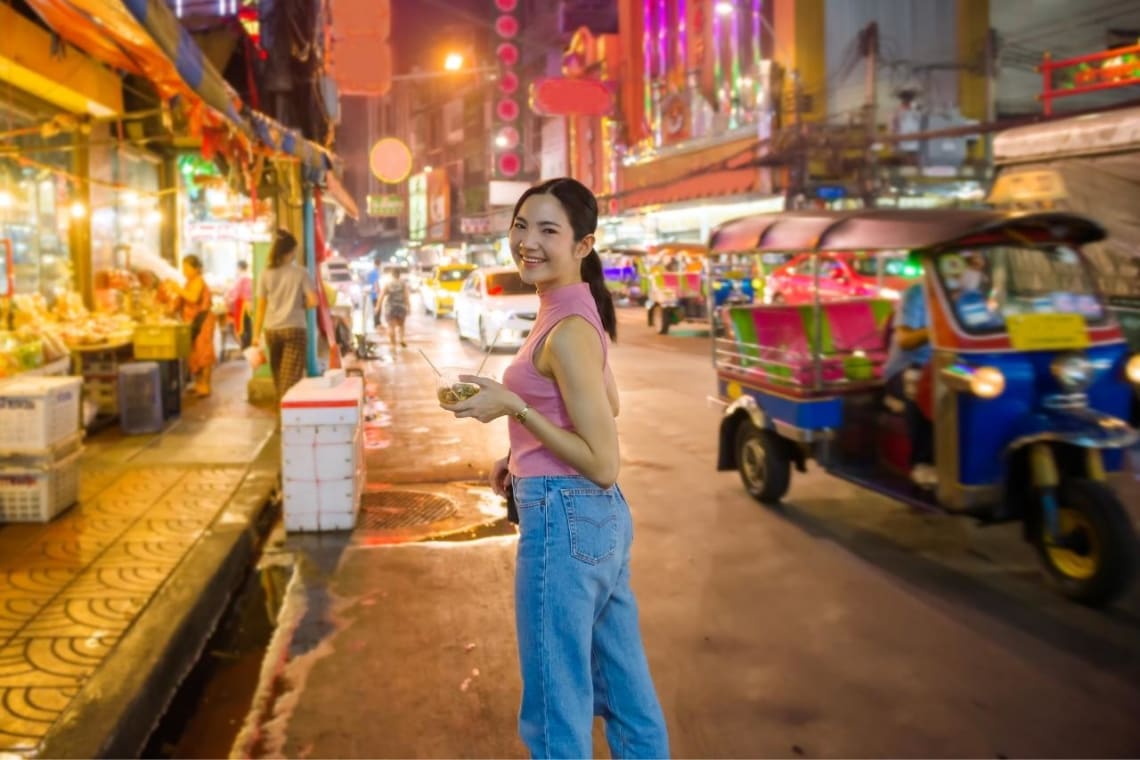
520,415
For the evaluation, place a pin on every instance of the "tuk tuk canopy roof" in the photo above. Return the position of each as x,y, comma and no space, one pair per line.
894,229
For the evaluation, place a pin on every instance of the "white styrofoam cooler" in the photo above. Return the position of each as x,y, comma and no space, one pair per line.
322,454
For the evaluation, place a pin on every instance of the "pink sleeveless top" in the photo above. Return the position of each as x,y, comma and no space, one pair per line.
529,458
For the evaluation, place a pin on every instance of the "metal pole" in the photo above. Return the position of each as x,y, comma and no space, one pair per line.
310,264
870,166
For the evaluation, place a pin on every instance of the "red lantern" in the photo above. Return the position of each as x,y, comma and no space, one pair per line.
507,26
506,6
507,110
508,138
509,164
509,83
508,53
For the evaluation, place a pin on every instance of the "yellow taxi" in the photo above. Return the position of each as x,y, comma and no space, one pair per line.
439,289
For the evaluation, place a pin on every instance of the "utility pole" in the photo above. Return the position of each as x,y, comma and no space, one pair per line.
869,46
798,166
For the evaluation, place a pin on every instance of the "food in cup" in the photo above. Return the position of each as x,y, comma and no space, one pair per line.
449,389
456,392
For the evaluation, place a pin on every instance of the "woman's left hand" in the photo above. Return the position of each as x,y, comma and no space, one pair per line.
491,402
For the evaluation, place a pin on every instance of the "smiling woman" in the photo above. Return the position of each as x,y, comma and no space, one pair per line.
579,639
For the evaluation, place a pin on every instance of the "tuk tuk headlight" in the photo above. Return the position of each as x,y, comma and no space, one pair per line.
1074,373
1132,369
987,382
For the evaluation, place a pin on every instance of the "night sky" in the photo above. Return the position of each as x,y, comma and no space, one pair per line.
415,28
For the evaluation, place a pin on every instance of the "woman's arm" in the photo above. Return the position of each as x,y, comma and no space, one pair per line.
192,291
577,362
258,318
612,394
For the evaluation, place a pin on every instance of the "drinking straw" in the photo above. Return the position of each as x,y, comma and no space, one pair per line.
426,359
490,348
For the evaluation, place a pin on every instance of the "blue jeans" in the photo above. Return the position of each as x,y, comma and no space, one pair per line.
579,641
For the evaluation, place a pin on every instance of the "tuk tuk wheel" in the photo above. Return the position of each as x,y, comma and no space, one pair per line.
1096,558
764,466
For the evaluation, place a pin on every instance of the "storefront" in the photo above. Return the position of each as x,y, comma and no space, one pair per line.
36,198
218,225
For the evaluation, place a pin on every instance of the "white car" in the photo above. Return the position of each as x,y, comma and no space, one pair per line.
496,301
339,274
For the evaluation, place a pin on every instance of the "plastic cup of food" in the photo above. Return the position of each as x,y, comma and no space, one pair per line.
448,387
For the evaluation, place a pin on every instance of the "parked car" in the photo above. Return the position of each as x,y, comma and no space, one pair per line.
496,301
841,275
439,289
338,273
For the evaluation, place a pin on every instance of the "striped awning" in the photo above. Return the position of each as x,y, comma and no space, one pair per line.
144,37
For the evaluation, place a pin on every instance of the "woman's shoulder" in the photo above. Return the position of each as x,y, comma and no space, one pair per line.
574,332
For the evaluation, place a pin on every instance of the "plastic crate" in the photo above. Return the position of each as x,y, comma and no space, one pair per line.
30,494
140,398
36,412
162,341
171,371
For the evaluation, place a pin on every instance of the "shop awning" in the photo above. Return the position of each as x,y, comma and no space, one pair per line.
339,194
726,182
144,37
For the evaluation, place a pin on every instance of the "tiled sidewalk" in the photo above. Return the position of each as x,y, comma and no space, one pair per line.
71,590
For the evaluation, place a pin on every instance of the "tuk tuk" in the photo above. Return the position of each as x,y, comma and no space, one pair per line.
1028,388
622,269
687,283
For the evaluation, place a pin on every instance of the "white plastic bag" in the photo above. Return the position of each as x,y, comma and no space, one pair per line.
255,356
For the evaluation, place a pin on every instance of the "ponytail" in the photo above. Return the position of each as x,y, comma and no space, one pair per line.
593,275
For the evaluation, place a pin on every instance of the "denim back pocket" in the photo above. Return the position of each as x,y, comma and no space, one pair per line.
592,514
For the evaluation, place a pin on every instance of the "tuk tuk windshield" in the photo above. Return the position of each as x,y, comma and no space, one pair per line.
987,285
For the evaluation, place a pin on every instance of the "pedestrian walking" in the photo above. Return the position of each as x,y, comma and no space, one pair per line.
579,639
195,305
284,292
238,301
394,303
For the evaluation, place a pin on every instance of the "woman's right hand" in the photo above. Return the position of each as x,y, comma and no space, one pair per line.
500,476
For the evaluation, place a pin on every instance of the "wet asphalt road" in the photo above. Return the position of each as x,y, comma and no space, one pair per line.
840,624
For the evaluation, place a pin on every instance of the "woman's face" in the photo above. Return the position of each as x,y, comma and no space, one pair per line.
543,246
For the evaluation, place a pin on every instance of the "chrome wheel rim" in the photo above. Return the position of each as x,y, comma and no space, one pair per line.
754,463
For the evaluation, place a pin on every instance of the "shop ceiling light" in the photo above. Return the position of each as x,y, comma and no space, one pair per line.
78,210
725,8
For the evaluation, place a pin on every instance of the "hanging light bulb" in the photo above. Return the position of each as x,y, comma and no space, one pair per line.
78,210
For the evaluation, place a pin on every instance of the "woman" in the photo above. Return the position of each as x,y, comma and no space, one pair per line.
195,307
579,642
284,291
238,300
394,302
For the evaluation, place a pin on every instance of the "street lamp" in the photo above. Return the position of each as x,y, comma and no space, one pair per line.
453,62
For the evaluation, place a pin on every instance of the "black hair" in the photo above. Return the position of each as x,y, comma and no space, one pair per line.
283,245
581,207
242,264
194,262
